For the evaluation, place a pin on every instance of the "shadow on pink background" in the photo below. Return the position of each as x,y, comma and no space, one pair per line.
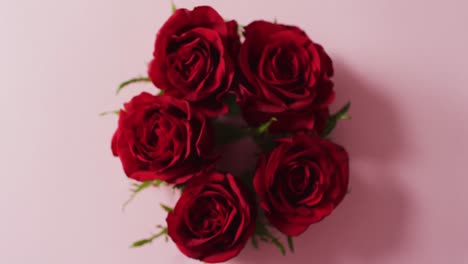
371,222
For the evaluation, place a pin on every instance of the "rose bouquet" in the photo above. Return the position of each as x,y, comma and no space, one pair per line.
210,71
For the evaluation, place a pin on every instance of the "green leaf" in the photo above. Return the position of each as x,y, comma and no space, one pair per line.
144,185
331,124
343,111
345,116
138,187
247,178
140,243
167,208
180,187
333,119
132,81
227,133
261,230
254,241
115,112
143,242
173,6
279,245
265,144
234,108
264,127
291,243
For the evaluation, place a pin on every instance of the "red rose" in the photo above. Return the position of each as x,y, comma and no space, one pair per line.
284,75
193,58
301,181
160,137
213,219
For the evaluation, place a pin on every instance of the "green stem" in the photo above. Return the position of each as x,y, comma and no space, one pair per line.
143,242
132,81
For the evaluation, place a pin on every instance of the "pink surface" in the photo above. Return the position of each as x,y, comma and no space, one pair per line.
403,64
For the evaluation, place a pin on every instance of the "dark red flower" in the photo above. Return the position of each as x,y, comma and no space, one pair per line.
301,181
160,137
284,74
193,58
213,219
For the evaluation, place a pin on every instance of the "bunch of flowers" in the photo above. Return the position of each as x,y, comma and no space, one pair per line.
210,71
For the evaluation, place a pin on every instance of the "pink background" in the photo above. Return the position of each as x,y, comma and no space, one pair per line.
403,63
